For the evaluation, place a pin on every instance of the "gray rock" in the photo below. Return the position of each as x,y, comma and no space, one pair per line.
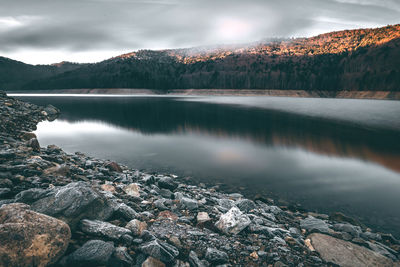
216,256
73,202
344,253
189,203
31,195
125,211
348,228
194,260
225,204
233,222
167,183
136,227
4,192
245,205
103,229
92,253
312,224
159,204
121,258
373,236
383,250
160,250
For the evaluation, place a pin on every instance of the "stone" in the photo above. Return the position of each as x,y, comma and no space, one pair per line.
132,190
203,217
245,205
167,183
121,257
29,238
74,202
348,228
346,254
233,222
92,253
152,262
194,260
160,250
216,256
27,136
167,215
34,144
125,211
113,166
136,227
108,188
103,229
189,203
4,192
312,224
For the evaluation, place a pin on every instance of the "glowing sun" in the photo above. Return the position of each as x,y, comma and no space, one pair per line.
233,29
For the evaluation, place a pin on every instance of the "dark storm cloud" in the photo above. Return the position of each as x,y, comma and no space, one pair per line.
90,25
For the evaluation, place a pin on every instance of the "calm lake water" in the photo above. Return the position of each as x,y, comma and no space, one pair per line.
325,154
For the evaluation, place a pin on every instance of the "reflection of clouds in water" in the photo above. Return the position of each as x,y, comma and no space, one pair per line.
61,127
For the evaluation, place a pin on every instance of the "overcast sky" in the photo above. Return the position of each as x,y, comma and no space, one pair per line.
48,31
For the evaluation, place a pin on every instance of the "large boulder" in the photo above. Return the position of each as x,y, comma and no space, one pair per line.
346,254
74,202
29,238
233,222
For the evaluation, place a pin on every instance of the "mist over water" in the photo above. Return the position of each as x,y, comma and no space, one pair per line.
325,154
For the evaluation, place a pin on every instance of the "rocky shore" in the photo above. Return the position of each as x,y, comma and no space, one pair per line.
58,209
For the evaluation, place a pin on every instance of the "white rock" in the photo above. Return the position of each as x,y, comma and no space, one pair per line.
233,222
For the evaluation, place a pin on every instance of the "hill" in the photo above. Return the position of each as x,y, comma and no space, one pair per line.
363,59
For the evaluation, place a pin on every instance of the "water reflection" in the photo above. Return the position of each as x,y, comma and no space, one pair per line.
324,164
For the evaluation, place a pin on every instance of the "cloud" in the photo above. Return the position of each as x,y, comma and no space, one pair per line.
77,26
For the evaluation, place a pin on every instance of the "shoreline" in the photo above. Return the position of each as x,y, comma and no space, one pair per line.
379,95
131,218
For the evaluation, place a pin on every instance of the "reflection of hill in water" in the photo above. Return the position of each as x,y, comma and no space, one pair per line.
151,115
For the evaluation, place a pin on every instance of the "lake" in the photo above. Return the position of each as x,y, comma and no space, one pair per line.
324,155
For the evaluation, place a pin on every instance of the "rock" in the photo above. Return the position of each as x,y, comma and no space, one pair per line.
113,166
92,253
132,190
103,229
136,227
233,222
34,144
346,254
52,112
29,238
167,183
4,192
160,250
27,136
312,224
108,187
245,205
167,215
125,211
121,258
189,203
194,260
340,217
203,217
73,202
348,228
152,262
216,256
373,236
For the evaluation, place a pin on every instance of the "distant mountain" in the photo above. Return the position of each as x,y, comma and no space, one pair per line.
363,59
